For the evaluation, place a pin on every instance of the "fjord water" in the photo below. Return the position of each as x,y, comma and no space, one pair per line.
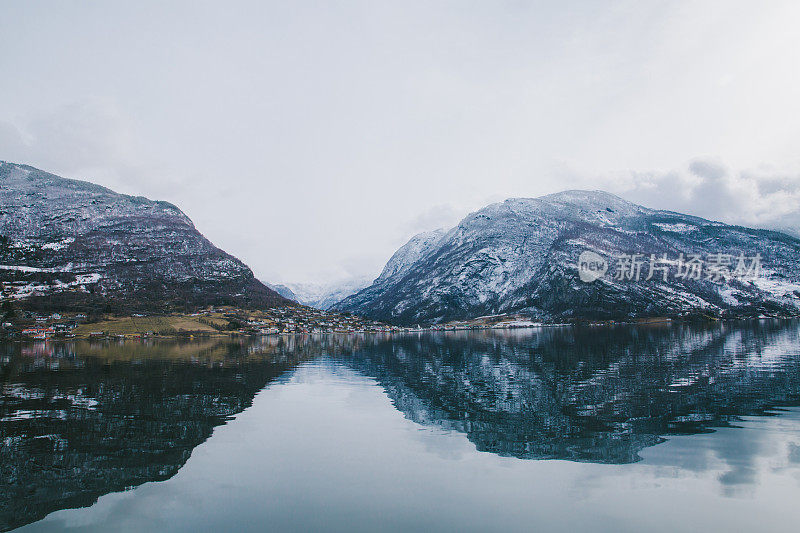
628,428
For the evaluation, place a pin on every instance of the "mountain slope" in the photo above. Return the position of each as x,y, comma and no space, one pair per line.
68,244
521,255
325,295
283,290
410,253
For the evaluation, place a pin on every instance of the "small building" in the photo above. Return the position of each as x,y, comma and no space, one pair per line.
38,333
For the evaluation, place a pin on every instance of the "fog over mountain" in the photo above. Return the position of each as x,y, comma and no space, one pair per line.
322,295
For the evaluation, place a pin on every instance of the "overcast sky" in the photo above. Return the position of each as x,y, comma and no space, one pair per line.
311,139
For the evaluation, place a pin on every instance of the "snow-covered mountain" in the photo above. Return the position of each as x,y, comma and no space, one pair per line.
283,290
72,244
521,256
322,295
410,253
326,295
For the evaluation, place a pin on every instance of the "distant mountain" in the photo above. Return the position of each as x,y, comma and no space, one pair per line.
283,290
68,244
521,256
323,295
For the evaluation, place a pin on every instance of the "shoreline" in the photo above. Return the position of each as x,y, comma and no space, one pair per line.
390,330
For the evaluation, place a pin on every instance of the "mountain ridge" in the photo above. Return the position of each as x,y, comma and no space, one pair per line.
520,256
322,295
73,244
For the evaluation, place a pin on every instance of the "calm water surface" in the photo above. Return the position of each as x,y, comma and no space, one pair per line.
614,429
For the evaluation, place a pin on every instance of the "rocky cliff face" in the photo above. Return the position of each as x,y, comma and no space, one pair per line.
72,244
522,256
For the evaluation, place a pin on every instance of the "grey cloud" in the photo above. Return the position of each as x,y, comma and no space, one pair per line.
773,185
93,139
75,136
707,169
711,190
311,141
11,143
438,216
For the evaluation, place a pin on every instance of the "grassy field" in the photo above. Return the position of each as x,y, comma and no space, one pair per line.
155,324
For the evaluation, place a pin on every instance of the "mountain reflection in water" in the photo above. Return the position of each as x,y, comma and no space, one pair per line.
598,395
82,419
79,420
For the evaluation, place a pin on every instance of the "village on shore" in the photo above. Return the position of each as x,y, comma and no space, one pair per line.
218,321
232,321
